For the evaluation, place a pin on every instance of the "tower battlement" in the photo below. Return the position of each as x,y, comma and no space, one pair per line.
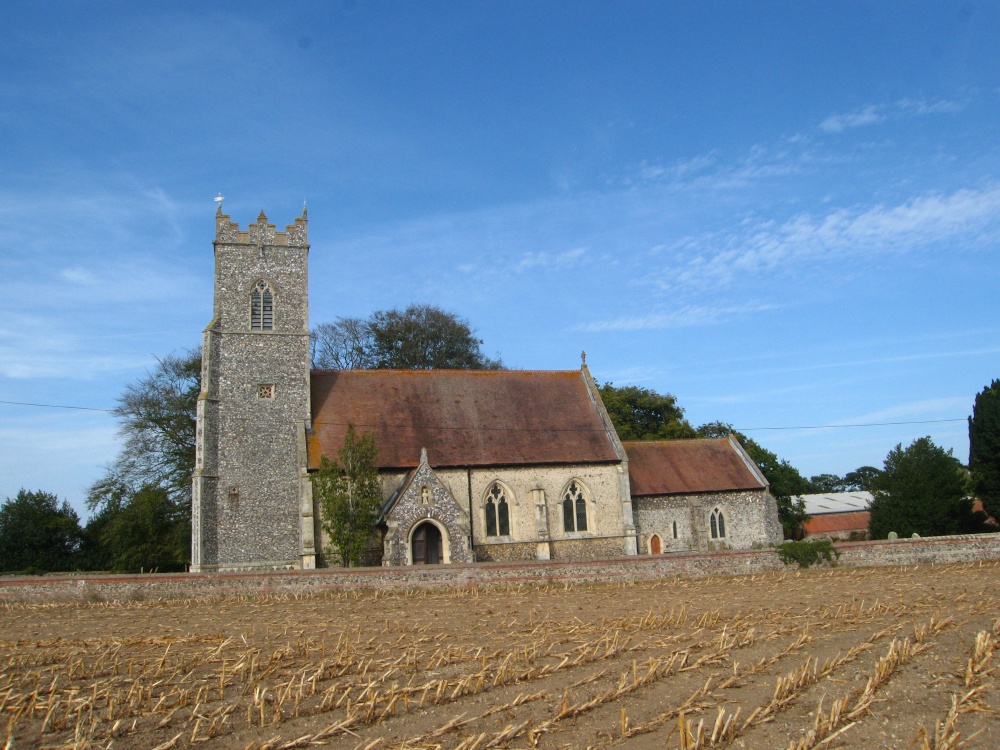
261,233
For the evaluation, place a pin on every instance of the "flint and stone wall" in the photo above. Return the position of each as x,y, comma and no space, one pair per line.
751,518
96,587
534,497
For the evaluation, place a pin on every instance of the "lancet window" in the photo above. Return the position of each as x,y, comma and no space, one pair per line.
717,524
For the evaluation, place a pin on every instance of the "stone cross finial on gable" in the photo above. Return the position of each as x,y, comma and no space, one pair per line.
423,456
583,358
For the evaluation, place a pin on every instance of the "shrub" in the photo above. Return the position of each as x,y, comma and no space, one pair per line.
808,552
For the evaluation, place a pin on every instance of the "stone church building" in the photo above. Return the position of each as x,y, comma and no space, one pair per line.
474,465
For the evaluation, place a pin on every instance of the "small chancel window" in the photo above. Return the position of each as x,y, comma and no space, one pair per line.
497,512
261,307
717,524
265,392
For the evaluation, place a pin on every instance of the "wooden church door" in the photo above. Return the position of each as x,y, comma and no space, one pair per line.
427,544
654,545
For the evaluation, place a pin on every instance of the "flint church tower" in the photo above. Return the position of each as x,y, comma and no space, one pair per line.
252,501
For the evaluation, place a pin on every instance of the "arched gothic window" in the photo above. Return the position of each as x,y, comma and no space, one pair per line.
497,512
717,524
574,508
261,307
675,529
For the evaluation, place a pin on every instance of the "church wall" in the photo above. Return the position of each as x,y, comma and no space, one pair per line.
751,519
534,497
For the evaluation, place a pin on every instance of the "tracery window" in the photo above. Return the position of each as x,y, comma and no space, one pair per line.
574,508
261,307
497,511
717,524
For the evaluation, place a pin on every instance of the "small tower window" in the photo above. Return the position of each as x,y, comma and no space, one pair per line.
497,512
261,307
574,508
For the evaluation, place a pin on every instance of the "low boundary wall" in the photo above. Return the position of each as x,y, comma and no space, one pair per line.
105,587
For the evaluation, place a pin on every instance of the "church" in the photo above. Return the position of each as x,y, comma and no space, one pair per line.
474,465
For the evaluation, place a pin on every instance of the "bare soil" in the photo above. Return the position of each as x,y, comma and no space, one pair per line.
868,658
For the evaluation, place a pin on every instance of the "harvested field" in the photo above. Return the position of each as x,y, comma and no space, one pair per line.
859,657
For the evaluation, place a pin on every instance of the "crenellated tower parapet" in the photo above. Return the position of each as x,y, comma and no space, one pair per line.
260,232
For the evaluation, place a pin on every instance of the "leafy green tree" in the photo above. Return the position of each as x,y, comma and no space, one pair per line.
787,485
157,420
349,495
921,490
984,447
826,483
861,479
38,533
421,337
145,534
643,414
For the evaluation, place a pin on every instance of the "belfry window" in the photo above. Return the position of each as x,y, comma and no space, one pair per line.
717,524
574,508
497,512
261,307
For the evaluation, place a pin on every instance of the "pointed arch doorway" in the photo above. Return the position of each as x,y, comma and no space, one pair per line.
426,544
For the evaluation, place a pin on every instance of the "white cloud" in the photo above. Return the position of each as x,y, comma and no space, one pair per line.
755,248
839,122
688,315
551,260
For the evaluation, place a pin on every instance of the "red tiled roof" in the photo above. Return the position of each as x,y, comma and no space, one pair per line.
673,467
462,417
832,522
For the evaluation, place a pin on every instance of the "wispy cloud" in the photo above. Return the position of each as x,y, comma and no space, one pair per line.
875,114
551,260
688,315
754,248
857,119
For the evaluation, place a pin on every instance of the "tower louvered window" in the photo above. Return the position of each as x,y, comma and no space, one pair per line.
261,307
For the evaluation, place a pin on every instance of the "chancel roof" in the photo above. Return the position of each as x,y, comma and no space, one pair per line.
462,417
674,467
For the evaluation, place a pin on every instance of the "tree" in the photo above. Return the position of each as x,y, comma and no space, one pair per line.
37,532
984,447
350,496
861,479
826,483
146,534
921,490
643,414
421,337
157,420
785,482
346,344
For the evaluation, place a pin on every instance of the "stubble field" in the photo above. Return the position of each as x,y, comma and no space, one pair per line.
873,658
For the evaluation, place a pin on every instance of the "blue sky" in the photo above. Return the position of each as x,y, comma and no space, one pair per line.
785,214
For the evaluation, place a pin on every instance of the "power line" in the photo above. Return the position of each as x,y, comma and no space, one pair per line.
860,424
57,406
549,429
